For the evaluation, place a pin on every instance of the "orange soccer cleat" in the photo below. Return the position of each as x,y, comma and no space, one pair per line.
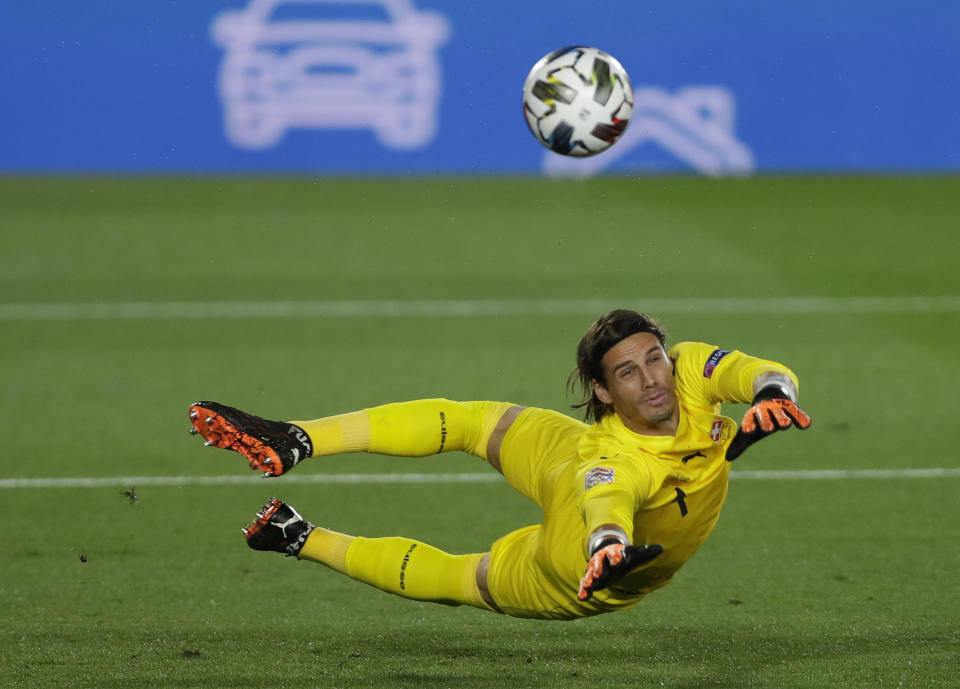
273,447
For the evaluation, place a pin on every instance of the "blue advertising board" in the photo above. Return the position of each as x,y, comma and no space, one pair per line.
426,87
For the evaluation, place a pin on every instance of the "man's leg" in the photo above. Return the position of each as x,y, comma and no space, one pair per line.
409,429
413,429
401,566
396,565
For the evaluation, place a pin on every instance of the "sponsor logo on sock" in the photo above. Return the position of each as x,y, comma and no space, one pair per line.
443,431
403,567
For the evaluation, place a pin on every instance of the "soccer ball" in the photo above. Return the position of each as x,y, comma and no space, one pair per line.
577,101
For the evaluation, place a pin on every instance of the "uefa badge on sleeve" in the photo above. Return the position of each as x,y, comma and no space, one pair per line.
712,362
597,477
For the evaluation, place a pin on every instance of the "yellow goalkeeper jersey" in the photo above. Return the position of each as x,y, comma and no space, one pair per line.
660,489
668,489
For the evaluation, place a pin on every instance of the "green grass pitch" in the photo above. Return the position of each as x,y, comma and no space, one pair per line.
839,582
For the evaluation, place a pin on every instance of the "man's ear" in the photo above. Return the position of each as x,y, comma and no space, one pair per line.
601,393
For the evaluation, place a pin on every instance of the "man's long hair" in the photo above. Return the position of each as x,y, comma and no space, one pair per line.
605,332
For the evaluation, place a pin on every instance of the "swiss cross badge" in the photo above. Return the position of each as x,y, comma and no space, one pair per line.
715,430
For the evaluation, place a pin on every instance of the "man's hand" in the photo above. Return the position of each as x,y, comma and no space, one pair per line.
770,413
611,563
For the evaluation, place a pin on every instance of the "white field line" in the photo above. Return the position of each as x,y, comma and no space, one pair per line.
474,307
488,477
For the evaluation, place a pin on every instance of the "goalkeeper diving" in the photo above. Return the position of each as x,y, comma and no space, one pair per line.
627,496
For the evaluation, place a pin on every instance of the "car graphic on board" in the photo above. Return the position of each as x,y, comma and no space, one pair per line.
330,64
695,123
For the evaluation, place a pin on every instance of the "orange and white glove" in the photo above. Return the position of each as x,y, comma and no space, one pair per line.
612,562
772,411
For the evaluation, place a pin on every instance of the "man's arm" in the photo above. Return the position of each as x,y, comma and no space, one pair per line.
774,408
610,499
731,376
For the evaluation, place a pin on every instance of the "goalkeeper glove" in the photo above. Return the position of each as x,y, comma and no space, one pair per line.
612,562
772,411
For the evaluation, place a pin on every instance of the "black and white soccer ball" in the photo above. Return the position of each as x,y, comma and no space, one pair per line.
578,101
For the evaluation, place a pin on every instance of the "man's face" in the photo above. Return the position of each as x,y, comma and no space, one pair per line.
640,385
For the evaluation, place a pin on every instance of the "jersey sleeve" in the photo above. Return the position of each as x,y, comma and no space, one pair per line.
611,490
721,375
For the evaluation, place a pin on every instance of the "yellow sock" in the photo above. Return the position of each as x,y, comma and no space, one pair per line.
400,566
408,429
327,547
334,435
415,570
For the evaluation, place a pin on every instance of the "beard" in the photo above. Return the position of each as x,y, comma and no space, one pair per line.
661,412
